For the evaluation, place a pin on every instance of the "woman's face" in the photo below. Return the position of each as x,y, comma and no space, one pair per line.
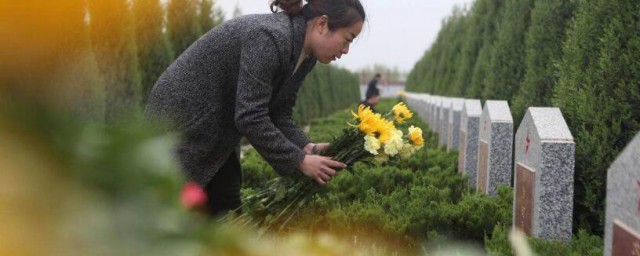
328,45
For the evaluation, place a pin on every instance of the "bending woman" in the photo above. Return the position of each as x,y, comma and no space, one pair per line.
241,79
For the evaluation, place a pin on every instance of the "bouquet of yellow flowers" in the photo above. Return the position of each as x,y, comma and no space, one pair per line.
370,137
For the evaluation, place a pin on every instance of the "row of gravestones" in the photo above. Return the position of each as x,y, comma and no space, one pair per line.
543,173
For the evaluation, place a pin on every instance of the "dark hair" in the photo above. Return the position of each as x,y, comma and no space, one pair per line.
341,13
378,75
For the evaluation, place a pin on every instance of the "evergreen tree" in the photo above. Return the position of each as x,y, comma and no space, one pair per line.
481,67
435,65
416,75
114,46
237,12
480,29
182,24
598,93
507,64
46,55
548,23
208,15
480,71
154,52
325,90
452,53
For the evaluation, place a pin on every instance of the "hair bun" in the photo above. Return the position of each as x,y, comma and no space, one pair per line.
291,7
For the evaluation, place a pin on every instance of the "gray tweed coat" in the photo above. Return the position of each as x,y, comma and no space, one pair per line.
236,81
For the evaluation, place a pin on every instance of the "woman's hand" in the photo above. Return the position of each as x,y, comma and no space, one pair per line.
320,168
313,148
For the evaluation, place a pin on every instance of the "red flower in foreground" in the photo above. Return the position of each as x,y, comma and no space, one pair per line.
192,196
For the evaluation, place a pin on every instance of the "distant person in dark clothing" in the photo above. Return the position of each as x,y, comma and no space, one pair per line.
373,86
373,100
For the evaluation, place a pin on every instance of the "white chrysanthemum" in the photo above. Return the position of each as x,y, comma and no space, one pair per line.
393,146
380,159
371,144
406,151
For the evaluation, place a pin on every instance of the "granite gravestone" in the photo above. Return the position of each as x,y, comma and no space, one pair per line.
413,102
468,146
424,107
435,114
453,124
543,175
495,147
445,105
622,224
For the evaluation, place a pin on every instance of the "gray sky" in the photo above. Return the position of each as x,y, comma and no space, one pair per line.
397,32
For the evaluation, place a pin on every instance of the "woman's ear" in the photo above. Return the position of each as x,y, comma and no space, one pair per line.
322,24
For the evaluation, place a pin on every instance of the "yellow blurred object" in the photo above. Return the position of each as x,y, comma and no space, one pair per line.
30,198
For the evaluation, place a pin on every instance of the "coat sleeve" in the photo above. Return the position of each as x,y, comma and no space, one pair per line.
259,62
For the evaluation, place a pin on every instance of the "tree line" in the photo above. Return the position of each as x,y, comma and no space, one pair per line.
101,58
578,55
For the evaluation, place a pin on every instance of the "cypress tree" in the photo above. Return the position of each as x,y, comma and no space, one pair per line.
452,55
182,24
443,48
208,15
507,65
548,22
325,90
46,54
114,46
436,62
154,52
480,24
481,66
480,71
599,94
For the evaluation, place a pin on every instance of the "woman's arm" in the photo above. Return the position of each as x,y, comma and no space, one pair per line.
259,63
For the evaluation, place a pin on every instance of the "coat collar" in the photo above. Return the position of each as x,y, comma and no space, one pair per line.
299,31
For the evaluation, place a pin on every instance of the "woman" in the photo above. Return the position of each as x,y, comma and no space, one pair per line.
241,79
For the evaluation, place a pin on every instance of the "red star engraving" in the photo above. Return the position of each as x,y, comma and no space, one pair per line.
638,182
526,145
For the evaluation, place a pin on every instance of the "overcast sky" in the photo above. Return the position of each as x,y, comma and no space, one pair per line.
397,32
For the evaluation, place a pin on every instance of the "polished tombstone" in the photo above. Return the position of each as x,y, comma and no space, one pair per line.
622,224
445,105
453,124
543,175
495,147
468,146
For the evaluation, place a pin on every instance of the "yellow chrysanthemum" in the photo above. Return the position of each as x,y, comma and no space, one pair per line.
415,136
371,144
401,112
385,130
372,125
364,112
368,126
